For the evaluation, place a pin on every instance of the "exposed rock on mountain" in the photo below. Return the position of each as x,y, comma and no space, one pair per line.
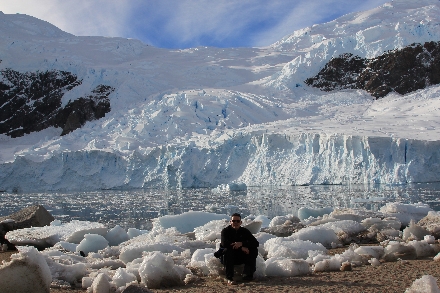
402,71
31,102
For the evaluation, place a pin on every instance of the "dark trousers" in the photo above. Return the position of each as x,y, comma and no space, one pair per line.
233,257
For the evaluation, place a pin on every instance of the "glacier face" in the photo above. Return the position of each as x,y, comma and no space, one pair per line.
254,159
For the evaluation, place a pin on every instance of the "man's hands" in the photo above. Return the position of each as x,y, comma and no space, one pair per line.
237,245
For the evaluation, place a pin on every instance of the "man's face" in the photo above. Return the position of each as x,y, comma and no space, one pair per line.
235,222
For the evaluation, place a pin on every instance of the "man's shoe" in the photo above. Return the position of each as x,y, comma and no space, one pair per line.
248,278
230,281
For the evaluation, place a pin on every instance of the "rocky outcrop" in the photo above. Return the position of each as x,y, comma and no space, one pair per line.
403,71
32,101
33,216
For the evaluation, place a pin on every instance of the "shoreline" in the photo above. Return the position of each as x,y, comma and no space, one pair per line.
388,277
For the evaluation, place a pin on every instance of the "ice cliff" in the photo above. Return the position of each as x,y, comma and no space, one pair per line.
253,159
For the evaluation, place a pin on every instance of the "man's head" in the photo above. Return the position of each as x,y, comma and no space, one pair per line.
235,221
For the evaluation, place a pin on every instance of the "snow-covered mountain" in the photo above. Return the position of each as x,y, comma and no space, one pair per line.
87,113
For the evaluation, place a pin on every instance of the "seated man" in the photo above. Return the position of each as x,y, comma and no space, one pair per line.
240,246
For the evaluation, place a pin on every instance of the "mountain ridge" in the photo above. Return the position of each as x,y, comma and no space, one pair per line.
403,71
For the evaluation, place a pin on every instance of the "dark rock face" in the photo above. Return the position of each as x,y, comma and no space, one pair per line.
32,102
403,71
33,216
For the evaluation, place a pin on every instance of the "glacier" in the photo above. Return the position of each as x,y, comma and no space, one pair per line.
253,159
204,117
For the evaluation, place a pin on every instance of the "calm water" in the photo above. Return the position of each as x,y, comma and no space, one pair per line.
136,208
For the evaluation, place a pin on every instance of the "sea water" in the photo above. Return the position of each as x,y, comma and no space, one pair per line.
137,208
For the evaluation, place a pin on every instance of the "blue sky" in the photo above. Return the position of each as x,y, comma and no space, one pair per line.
188,23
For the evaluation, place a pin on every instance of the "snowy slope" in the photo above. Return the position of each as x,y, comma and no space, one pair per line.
202,117
366,34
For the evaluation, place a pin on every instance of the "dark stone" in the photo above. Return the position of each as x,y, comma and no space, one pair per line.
136,289
403,71
32,102
33,216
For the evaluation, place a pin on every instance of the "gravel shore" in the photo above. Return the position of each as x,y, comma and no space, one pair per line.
388,277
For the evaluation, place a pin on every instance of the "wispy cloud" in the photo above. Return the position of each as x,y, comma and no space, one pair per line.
187,23
79,17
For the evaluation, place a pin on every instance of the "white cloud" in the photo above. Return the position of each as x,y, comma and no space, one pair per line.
79,17
308,13
186,22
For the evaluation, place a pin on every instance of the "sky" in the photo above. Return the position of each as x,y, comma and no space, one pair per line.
188,23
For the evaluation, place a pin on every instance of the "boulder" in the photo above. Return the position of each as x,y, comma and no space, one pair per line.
136,289
33,216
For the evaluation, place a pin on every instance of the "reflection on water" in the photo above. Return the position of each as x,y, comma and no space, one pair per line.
136,208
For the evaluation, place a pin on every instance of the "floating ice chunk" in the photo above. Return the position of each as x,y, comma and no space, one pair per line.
163,240
158,270
264,220
396,250
406,212
426,284
101,284
382,224
66,246
56,223
324,236
286,267
290,248
429,239
92,243
414,231
350,214
374,262
372,251
347,226
254,226
262,237
116,235
230,187
331,264
66,268
133,232
186,222
122,277
431,222
280,220
47,236
213,264
211,230
305,213
422,248
351,256
26,272
200,259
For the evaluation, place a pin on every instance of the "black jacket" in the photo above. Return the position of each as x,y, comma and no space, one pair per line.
230,235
